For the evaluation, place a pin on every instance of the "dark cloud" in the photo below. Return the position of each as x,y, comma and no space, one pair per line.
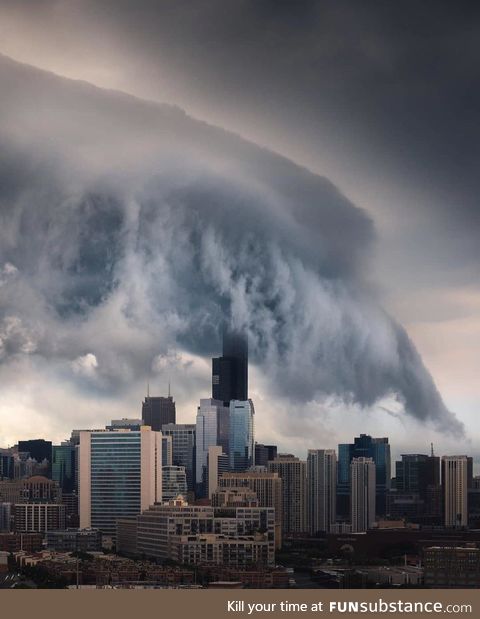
131,230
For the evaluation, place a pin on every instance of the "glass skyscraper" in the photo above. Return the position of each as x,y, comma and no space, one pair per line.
241,443
63,466
230,371
120,475
212,428
364,446
183,448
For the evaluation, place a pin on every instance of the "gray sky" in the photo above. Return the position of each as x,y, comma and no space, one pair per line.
382,103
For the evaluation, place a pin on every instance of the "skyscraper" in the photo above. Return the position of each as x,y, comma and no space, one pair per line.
217,464
174,482
362,484
212,428
293,473
230,371
364,446
63,466
456,480
183,448
157,411
264,453
321,489
120,475
241,440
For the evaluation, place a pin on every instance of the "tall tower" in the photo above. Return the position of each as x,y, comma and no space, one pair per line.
241,441
230,371
456,479
120,475
362,484
321,489
212,428
157,411
293,473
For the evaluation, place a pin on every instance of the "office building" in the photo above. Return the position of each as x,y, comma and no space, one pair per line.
217,464
120,475
230,371
321,489
212,428
364,446
362,492
264,453
36,489
38,517
456,480
39,450
74,540
206,535
157,411
5,517
268,488
7,470
174,482
416,491
63,466
183,448
293,473
451,567
241,439
167,452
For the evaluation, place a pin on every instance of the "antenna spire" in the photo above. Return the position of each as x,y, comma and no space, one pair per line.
168,388
148,388
431,449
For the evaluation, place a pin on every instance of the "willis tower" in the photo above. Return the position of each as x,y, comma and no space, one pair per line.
230,371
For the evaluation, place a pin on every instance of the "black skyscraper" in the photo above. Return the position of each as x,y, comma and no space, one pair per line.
230,371
158,411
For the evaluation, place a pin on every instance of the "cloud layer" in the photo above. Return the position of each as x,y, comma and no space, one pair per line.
129,231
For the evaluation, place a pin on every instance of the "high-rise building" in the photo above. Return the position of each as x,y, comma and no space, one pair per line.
174,482
364,446
157,411
230,371
293,473
7,469
217,464
264,453
183,448
321,489
416,491
39,450
63,466
268,488
362,484
241,441
456,480
212,428
167,451
120,475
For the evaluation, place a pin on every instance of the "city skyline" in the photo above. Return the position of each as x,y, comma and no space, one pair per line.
335,222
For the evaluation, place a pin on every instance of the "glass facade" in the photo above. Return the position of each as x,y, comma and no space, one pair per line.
241,443
63,466
212,428
183,448
115,478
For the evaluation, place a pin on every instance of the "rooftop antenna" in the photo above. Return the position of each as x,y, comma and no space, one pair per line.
168,388
431,449
148,388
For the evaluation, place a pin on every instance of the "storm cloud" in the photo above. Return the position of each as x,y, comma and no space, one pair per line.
130,231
